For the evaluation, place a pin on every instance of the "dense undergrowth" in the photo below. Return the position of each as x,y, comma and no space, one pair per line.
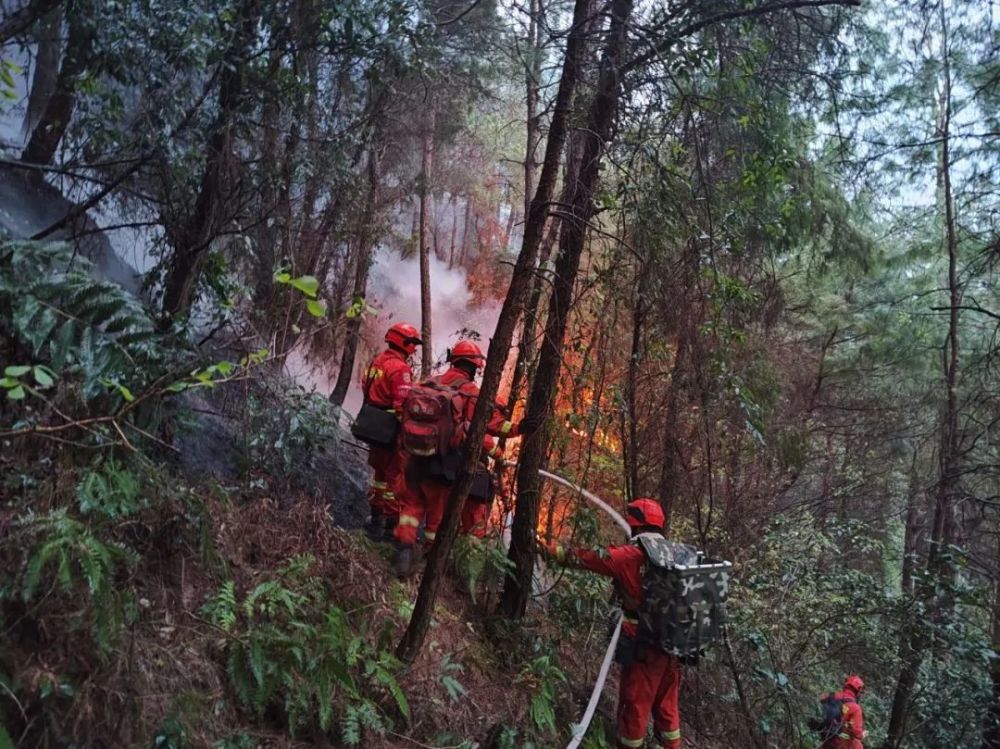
142,604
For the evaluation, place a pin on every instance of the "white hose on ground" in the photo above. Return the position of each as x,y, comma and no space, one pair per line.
581,728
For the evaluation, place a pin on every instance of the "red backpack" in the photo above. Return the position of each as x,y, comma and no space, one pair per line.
427,426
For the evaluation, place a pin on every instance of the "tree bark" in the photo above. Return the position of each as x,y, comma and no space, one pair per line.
572,239
366,243
426,169
43,81
193,240
940,566
48,133
991,724
513,304
22,19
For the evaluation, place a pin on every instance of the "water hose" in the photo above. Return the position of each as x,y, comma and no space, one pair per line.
592,498
581,728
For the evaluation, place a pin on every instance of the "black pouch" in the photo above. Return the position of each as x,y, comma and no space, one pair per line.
376,426
482,486
627,651
444,468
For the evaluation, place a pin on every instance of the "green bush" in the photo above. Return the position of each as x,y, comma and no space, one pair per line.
291,650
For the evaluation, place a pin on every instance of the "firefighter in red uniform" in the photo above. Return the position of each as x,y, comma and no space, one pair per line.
651,679
426,489
385,385
476,511
852,723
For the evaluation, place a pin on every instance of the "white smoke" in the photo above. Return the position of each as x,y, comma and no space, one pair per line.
394,294
394,289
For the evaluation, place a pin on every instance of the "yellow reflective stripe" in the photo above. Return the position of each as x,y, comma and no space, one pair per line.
670,735
409,520
379,485
629,619
631,742
506,427
843,736
430,535
389,495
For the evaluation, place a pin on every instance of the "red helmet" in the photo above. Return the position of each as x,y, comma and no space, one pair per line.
645,511
854,683
467,351
403,336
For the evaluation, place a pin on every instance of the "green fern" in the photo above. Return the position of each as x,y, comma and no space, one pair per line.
358,718
222,609
292,650
76,558
93,329
109,490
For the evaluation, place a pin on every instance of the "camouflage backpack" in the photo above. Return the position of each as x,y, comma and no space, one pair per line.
684,597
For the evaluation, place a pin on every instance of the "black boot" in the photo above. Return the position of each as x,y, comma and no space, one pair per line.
391,521
375,527
403,562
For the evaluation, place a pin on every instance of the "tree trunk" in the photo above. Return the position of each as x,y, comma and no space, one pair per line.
48,133
991,724
46,73
366,243
22,19
193,240
631,446
572,239
940,566
426,169
513,304
529,327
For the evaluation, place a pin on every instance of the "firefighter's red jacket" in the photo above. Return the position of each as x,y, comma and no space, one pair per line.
852,727
623,564
387,380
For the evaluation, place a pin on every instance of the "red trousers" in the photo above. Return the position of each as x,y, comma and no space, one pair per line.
474,517
422,500
388,464
651,685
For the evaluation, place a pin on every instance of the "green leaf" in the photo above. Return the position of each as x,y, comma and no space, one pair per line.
308,285
5,740
16,394
43,376
282,277
17,371
316,309
126,393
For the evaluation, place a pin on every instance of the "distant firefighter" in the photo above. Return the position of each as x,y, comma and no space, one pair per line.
841,724
386,383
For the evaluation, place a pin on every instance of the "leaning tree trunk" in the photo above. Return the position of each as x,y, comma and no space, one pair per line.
48,35
943,532
366,243
572,239
513,304
426,172
48,132
23,19
193,239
